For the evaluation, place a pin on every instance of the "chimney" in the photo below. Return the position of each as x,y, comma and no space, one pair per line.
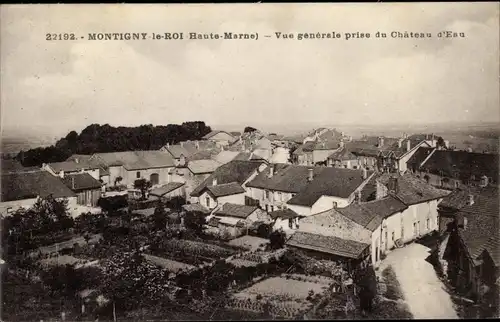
400,142
271,171
72,182
61,174
484,181
342,134
214,181
408,145
365,173
311,175
197,145
182,144
380,141
470,199
393,184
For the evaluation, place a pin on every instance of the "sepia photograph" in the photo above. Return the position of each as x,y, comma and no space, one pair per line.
298,161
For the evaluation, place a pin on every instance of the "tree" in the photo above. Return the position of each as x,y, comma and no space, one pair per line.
440,143
366,280
249,129
160,217
195,221
143,185
277,239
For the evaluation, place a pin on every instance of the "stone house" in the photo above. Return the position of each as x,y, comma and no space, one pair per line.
221,138
73,166
86,187
237,218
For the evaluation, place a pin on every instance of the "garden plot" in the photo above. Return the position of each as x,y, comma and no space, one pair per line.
239,262
281,296
170,265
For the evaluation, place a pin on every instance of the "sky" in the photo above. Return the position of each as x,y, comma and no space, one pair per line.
53,87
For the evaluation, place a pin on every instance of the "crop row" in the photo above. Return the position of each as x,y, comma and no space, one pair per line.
274,308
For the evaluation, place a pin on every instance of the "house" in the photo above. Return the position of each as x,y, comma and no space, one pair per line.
343,158
221,138
472,251
71,167
352,253
454,169
322,134
227,184
226,156
86,187
169,191
305,190
316,152
198,171
235,218
103,170
182,152
21,190
125,168
404,209
285,219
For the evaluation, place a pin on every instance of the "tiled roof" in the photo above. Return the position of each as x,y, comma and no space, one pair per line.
457,199
226,156
13,166
335,182
234,171
303,148
72,166
412,190
463,164
189,148
284,214
368,146
370,214
195,207
235,133
243,156
233,210
204,154
81,181
369,191
136,160
327,244
213,133
169,187
103,168
418,157
28,185
226,189
203,166
342,155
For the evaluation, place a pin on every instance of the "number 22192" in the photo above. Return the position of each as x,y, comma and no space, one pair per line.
60,37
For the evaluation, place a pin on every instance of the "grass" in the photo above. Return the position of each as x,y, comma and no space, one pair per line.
279,286
394,291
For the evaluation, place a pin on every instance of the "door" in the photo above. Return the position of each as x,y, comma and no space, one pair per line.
154,178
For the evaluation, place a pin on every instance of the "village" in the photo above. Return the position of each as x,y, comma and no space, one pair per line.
254,225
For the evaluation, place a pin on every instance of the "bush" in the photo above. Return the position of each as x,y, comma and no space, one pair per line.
112,204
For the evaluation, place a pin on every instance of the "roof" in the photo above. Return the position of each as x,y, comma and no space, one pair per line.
368,146
81,181
233,171
163,190
342,155
12,166
202,166
412,190
72,166
327,244
370,214
28,185
204,154
213,133
243,156
225,189
235,133
226,156
482,231
457,199
196,207
303,148
284,214
463,164
233,210
188,148
136,160
103,170
335,182
418,157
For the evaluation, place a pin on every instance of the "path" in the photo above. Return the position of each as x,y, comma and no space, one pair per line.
424,292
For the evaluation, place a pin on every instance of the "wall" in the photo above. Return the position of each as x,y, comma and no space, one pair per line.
346,164
338,226
88,197
280,155
258,215
130,175
237,199
115,172
192,181
283,224
203,200
93,172
276,199
325,203
441,182
15,205
222,138
322,155
301,210
403,161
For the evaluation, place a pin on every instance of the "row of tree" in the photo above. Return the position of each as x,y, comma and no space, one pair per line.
97,138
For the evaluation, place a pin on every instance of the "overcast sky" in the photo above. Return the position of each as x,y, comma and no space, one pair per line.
57,86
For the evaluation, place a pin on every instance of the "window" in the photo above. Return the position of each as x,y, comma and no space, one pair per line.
457,184
290,223
272,208
267,194
138,174
267,208
207,200
393,236
414,228
9,210
428,223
